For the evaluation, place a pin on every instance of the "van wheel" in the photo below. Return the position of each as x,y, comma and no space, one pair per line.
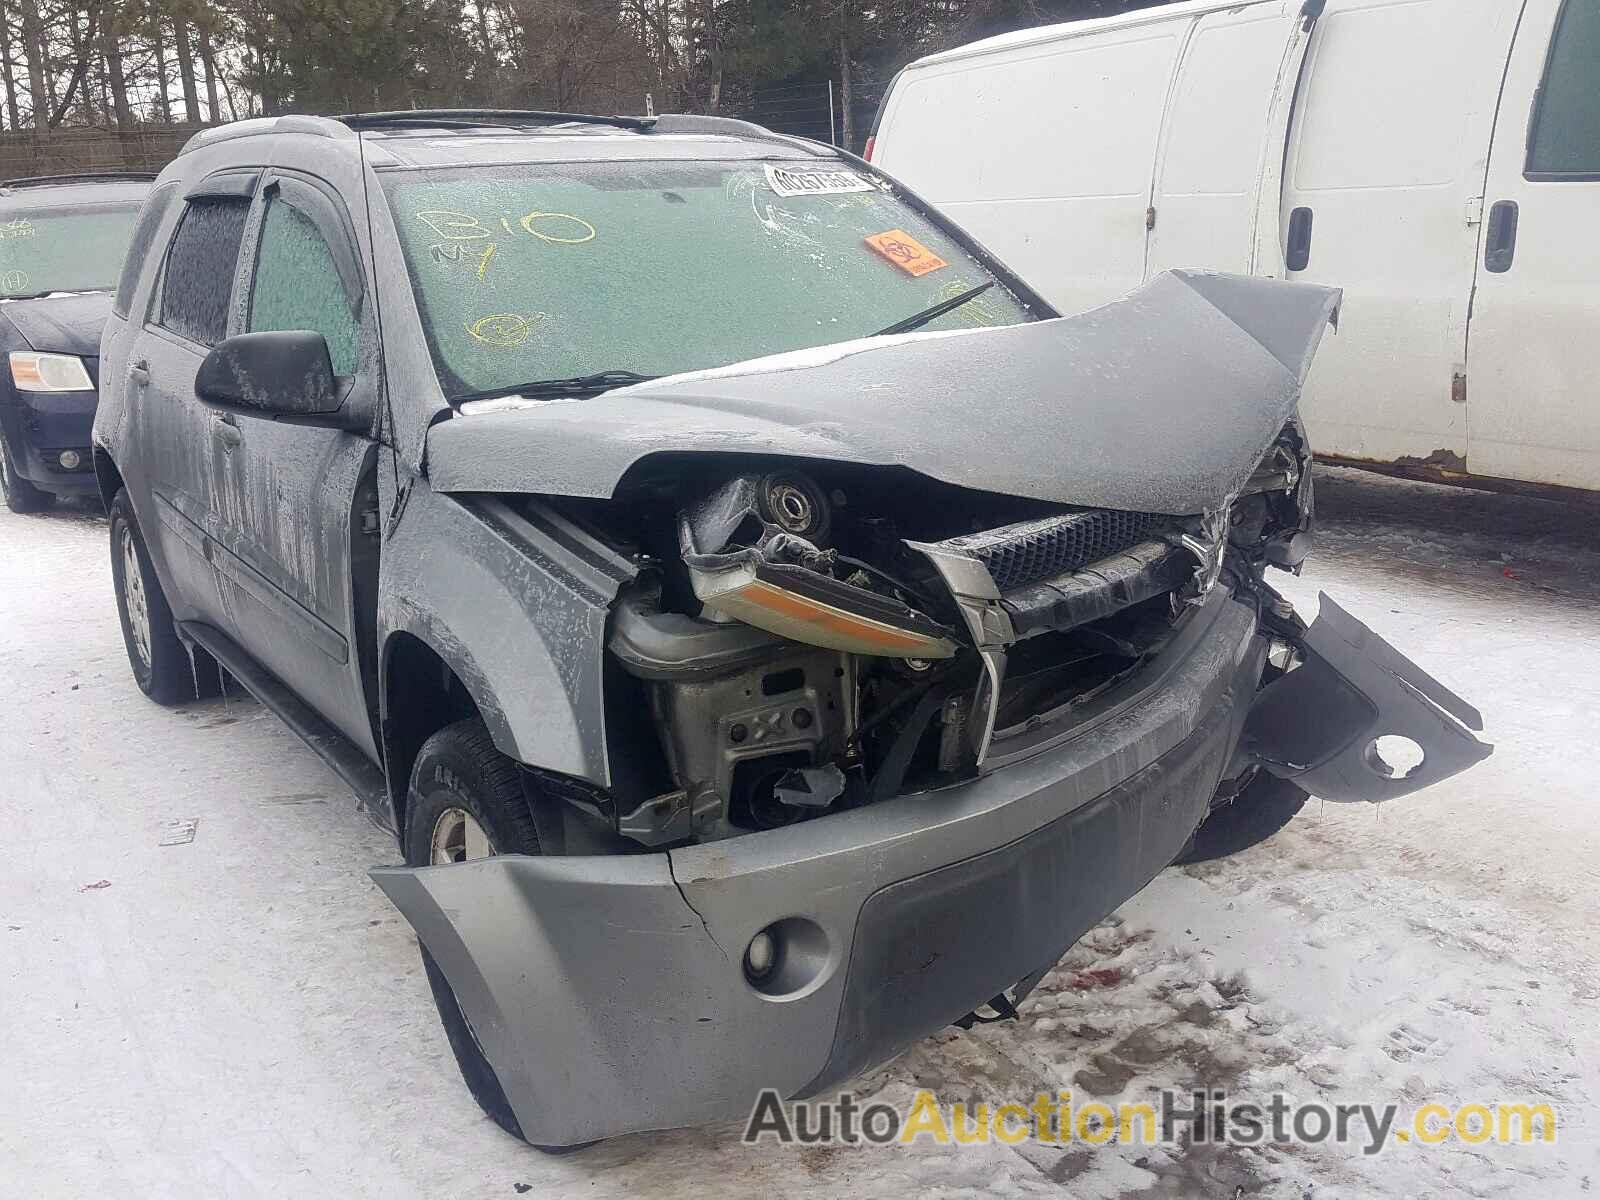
160,666
466,801
1265,806
20,495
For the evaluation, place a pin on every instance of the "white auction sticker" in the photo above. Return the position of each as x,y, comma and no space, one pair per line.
816,183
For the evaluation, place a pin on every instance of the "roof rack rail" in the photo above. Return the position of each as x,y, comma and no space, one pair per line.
468,117
735,127
254,126
77,177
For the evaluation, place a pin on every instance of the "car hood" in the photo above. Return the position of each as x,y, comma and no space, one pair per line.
66,324
1163,401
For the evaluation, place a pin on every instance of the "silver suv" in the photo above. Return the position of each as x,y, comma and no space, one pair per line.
772,632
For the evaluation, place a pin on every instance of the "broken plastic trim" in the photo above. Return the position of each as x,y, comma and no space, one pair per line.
1319,725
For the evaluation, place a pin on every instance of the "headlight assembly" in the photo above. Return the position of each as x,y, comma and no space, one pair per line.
34,372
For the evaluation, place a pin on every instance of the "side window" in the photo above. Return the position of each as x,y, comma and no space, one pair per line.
200,266
1565,140
297,285
154,210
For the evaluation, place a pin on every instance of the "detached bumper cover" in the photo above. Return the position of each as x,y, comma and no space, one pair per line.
609,993
1318,725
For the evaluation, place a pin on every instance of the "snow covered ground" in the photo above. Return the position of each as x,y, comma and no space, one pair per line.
244,1015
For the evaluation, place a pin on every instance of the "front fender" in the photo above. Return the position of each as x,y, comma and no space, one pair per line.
515,614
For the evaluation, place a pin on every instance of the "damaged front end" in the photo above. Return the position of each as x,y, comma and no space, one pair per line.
828,638
825,639
884,742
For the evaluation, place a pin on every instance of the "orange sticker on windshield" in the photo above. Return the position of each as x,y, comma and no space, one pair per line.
905,252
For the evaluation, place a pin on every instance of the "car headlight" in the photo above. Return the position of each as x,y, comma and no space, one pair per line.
35,372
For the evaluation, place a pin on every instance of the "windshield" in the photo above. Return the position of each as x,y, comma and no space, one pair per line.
553,271
77,249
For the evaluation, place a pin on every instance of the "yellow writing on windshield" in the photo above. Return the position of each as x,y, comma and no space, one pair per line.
562,229
503,330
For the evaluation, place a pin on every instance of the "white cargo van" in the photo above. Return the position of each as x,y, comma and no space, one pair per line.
1438,159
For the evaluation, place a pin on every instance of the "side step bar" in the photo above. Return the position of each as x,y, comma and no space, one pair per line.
354,767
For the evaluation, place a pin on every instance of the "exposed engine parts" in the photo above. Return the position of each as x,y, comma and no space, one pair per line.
816,639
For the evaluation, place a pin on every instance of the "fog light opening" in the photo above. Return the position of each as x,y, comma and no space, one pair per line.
787,959
1394,756
70,460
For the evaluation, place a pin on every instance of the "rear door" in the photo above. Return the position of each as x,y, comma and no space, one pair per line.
1383,197
295,514
1533,357
1222,148
177,435
1044,153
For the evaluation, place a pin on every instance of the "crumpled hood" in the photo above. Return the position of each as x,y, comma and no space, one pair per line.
61,324
1163,401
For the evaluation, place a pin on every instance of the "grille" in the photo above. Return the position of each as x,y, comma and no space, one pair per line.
1032,550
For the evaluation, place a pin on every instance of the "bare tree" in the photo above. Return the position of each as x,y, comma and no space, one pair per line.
116,77
158,50
38,89
208,59
14,119
180,41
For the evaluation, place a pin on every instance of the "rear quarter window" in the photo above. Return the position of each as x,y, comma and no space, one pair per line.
155,209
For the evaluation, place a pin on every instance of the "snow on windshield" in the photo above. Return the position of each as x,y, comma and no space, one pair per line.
534,273
63,249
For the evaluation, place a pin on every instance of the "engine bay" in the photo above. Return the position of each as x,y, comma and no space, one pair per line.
810,637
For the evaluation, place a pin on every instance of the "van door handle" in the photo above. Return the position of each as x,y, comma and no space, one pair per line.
1500,242
1297,250
139,373
225,428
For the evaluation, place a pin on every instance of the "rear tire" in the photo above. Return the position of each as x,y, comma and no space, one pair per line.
20,495
462,792
1265,806
160,665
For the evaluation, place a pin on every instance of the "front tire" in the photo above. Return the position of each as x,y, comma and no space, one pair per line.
466,801
156,656
1265,806
20,495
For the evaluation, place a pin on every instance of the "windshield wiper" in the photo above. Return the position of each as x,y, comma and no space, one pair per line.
577,385
918,320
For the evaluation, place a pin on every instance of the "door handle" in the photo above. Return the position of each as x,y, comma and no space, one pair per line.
225,428
139,373
1500,242
1297,249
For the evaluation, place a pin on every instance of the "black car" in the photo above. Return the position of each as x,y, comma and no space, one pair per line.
772,632
62,240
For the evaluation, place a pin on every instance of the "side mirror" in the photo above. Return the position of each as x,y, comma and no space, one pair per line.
284,375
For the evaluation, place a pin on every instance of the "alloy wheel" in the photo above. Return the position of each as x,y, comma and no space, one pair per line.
457,837
134,598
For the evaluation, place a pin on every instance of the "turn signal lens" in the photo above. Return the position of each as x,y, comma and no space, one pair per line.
803,619
33,372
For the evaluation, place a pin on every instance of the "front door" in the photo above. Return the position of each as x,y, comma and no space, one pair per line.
1533,356
298,524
